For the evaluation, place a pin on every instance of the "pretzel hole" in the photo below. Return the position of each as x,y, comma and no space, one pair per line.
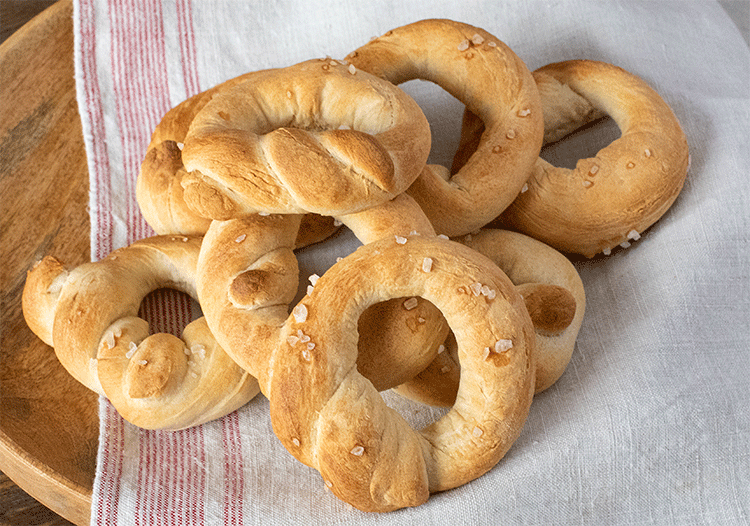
398,339
584,142
168,311
444,113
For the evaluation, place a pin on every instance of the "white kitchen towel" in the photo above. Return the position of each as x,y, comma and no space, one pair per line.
649,424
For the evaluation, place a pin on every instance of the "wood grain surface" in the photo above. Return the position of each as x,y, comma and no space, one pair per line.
48,422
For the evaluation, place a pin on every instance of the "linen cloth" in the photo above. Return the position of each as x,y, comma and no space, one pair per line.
649,424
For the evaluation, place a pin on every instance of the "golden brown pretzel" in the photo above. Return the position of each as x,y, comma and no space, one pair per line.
610,199
554,296
331,418
159,190
247,267
492,81
315,137
90,316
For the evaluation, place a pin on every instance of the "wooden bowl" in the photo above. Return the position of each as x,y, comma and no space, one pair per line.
49,424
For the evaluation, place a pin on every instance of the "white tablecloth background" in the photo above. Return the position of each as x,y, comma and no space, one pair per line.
650,423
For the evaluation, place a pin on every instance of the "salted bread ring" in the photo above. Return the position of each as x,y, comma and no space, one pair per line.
331,418
248,276
609,199
554,296
159,190
90,316
493,82
319,136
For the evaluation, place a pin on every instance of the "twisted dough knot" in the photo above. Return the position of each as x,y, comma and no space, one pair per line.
332,418
319,136
159,191
610,199
89,315
493,82
554,296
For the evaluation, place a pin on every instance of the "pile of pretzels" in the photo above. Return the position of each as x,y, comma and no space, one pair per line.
460,295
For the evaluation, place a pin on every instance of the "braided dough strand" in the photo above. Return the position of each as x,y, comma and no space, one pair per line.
89,315
314,137
159,191
492,81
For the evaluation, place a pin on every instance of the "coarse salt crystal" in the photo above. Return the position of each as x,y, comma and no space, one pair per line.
295,441
524,112
441,349
503,345
426,264
477,431
352,69
143,362
647,152
511,134
477,39
594,169
634,235
240,238
300,313
310,289
313,278
306,355
264,214
180,145
463,46
411,303
442,236
109,339
492,44
486,353
625,244
400,240
476,288
310,346
607,251
357,451
587,183
292,340
525,188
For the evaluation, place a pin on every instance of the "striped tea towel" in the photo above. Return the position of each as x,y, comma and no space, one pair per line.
648,425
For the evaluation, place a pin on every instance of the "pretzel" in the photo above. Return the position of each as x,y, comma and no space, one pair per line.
331,418
247,266
554,296
316,137
492,81
89,315
610,199
159,185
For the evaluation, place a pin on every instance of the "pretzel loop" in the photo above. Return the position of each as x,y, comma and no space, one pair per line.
89,316
482,72
330,417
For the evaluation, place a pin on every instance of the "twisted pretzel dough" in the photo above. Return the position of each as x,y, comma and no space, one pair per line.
315,137
90,316
247,270
492,81
331,418
610,199
159,185
554,296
